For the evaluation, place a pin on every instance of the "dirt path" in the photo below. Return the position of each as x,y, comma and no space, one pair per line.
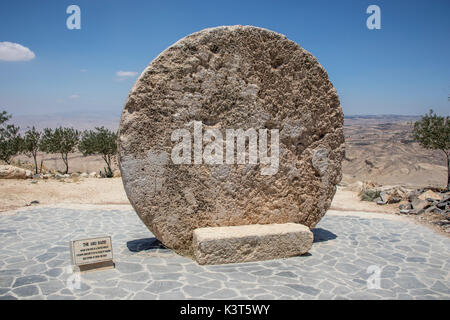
345,200
18,193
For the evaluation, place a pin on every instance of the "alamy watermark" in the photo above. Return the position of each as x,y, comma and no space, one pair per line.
74,20
208,147
374,280
374,20
73,281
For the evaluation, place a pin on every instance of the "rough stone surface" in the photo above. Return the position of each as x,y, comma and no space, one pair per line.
219,245
236,77
11,172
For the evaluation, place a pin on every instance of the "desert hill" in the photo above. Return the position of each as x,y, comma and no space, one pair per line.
381,149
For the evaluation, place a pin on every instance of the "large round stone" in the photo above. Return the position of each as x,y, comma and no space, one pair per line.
224,78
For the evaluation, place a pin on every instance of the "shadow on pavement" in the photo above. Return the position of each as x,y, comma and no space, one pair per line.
321,235
144,244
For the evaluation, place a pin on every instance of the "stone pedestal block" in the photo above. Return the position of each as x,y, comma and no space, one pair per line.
219,245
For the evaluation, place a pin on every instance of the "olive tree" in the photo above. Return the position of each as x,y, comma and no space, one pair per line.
100,141
61,141
10,141
30,145
433,132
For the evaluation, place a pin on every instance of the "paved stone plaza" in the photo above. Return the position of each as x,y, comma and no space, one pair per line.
414,261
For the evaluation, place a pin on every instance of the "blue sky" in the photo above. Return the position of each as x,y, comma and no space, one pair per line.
403,68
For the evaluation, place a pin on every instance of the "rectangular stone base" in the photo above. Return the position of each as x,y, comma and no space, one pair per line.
219,245
104,265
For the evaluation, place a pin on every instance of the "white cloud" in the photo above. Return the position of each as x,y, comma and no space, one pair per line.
125,74
74,96
15,52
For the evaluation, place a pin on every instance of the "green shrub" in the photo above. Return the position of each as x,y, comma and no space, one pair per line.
10,140
60,140
369,195
103,142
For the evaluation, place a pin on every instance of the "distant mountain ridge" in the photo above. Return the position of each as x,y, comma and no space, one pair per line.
382,116
90,120
79,120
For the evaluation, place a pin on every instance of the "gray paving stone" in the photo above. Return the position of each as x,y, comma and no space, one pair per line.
126,267
172,295
222,294
46,256
35,269
347,268
111,293
241,276
215,275
440,287
422,292
216,284
67,291
266,296
51,286
252,292
54,273
109,283
304,289
165,269
325,296
6,281
26,291
137,277
265,272
28,280
364,295
286,274
416,259
341,290
93,297
166,276
15,260
8,272
145,296
409,283
281,289
131,286
59,249
327,286
162,286
56,263
4,291
387,284
60,297
197,291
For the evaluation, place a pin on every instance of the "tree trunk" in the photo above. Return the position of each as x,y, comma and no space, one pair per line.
66,162
109,164
35,163
107,159
448,171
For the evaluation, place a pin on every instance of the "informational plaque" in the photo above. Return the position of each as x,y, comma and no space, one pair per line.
94,253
